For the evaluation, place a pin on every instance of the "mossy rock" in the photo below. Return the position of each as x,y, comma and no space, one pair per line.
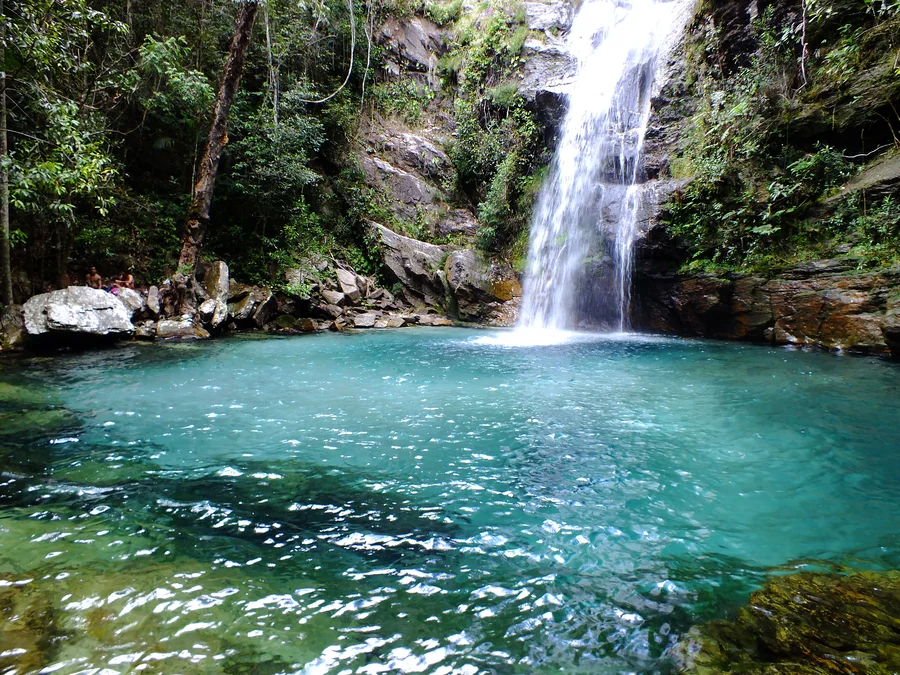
35,424
805,623
28,626
15,396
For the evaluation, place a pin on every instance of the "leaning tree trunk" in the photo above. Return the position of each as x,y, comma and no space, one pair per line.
198,215
6,291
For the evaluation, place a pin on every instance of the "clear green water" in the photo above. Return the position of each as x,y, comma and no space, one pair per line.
425,501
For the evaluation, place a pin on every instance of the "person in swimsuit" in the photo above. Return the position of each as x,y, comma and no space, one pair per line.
93,279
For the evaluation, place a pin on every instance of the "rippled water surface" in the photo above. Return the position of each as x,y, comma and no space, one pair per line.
425,501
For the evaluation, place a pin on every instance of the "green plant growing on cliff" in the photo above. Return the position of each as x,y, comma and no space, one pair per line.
444,13
404,99
757,197
497,147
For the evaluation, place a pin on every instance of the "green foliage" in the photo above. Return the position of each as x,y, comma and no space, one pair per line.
444,13
405,99
755,198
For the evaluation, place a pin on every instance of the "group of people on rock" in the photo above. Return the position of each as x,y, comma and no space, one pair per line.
124,280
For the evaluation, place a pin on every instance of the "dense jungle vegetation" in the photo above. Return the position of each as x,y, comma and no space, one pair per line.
787,110
109,106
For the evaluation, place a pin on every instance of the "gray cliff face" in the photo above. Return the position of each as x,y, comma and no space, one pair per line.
412,175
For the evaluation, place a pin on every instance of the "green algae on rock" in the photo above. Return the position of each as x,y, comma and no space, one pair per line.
28,626
804,623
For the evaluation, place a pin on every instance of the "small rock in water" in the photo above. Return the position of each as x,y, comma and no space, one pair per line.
308,325
286,321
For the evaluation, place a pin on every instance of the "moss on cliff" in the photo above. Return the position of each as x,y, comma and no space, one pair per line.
498,148
790,104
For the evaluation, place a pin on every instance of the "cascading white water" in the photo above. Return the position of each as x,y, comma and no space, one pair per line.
590,202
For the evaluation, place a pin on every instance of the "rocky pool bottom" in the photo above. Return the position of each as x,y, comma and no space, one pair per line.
440,501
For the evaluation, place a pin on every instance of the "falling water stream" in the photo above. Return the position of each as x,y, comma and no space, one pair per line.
590,203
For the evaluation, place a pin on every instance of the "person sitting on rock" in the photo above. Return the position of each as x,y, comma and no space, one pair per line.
125,280
93,279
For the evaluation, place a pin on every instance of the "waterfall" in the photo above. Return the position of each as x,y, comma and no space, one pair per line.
590,202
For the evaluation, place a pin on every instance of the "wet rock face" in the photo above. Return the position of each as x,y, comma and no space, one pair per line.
461,280
804,623
816,304
77,312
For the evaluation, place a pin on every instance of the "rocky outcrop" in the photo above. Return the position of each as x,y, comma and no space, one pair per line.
12,329
823,304
550,68
803,624
415,264
481,288
77,313
410,195
462,281
412,46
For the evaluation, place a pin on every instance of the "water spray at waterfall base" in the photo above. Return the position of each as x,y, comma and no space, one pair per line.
579,266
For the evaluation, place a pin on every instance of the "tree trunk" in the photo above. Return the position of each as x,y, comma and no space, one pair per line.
6,291
198,215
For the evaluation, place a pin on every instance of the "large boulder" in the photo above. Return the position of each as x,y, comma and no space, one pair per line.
132,300
153,300
418,266
253,304
479,286
333,297
213,312
349,286
216,281
77,312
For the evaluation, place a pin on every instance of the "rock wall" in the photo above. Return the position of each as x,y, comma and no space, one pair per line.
821,304
409,169
835,303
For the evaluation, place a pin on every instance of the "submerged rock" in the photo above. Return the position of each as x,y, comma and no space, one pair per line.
804,623
28,626
77,312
